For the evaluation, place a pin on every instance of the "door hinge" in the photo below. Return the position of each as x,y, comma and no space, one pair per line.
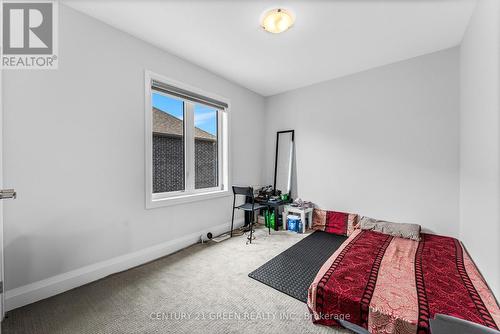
7,193
1,286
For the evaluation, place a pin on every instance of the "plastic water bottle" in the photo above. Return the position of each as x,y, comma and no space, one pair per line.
300,226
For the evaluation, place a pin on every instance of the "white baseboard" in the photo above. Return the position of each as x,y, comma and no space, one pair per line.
54,285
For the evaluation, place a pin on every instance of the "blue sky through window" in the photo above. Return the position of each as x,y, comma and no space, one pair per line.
205,118
169,105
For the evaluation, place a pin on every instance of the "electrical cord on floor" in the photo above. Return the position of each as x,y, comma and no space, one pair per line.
244,230
238,232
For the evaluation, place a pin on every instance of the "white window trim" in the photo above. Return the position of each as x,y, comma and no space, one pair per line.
179,197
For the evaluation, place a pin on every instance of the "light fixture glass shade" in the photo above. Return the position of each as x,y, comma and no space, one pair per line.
277,20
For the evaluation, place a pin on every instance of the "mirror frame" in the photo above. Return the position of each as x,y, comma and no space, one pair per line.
276,156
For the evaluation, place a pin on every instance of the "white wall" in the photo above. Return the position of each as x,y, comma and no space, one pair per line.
382,143
480,141
74,151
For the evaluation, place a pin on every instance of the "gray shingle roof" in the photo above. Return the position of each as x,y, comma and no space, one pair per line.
167,124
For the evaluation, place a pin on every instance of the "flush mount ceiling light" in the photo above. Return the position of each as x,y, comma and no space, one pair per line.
277,20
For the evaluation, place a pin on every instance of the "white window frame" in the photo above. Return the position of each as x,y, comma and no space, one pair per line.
190,194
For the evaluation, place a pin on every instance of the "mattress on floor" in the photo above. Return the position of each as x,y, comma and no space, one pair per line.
388,284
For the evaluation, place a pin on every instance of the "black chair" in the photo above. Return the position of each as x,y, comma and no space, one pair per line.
248,206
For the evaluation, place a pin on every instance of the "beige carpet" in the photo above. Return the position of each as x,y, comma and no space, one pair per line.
202,289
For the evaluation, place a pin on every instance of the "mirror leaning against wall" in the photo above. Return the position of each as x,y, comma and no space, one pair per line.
283,161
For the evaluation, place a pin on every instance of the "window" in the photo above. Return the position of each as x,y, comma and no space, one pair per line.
186,143
205,147
168,144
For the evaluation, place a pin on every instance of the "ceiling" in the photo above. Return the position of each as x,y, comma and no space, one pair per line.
330,39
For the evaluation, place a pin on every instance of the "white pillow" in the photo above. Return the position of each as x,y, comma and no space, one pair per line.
401,230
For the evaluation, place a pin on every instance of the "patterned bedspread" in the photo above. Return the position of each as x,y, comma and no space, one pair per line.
394,285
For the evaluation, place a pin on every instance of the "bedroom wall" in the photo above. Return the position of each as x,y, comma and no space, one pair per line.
480,140
74,151
382,143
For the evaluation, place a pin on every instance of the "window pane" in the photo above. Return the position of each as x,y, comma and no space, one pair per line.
168,143
205,146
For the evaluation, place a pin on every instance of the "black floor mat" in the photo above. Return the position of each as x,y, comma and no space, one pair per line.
292,271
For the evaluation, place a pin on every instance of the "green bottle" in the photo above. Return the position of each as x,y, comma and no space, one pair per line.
272,221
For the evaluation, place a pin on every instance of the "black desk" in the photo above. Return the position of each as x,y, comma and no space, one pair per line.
273,205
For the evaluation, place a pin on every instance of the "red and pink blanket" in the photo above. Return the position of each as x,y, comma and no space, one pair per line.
394,285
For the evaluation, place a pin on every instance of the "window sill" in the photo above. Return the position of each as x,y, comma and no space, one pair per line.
182,199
